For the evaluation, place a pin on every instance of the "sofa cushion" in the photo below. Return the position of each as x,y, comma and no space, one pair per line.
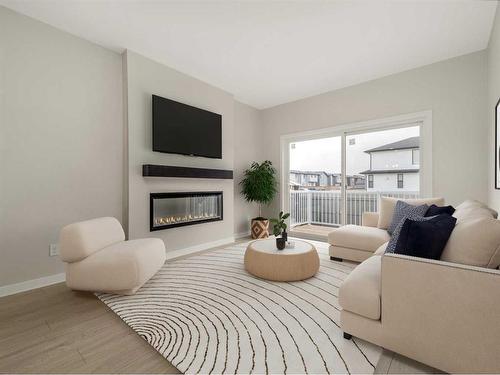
360,292
358,237
123,266
475,203
387,204
369,219
475,241
470,209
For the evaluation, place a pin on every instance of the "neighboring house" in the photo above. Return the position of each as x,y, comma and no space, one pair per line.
357,181
318,179
334,179
310,178
394,166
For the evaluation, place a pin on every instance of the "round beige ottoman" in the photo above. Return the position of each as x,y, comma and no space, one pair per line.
264,260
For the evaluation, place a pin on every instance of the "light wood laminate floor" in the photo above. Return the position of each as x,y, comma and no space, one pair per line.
57,330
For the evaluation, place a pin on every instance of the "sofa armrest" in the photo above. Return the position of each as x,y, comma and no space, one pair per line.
369,219
443,314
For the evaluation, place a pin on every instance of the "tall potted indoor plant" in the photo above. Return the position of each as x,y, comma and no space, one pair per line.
259,185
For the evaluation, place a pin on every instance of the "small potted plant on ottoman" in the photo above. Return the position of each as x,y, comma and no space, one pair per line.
259,185
279,228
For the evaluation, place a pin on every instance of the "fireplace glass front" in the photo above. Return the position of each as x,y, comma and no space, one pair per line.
169,210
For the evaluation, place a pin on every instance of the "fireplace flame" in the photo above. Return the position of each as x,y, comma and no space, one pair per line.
165,220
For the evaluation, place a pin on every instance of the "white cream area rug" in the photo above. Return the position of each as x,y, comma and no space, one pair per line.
206,314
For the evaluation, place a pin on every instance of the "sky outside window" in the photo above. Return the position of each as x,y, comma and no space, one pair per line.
325,154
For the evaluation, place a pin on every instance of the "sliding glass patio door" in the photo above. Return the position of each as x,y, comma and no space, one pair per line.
315,184
380,163
332,180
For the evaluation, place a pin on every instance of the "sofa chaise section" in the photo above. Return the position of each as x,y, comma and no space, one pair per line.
355,242
359,242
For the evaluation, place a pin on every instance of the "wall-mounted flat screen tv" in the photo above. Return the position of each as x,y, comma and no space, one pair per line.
182,129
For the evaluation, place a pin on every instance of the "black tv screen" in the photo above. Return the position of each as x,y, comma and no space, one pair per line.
182,129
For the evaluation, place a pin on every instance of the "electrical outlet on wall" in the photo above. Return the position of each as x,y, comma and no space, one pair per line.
53,250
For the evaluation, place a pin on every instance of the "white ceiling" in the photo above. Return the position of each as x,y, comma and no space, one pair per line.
271,52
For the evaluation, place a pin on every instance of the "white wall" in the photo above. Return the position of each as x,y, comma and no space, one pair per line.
389,182
396,159
145,77
493,97
73,139
247,141
455,91
61,141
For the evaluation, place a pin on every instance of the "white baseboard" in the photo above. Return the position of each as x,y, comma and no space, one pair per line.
242,235
24,286
194,249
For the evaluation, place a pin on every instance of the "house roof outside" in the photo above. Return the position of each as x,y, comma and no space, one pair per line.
408,143
381,171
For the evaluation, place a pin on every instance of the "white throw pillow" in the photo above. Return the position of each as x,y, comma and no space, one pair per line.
387,204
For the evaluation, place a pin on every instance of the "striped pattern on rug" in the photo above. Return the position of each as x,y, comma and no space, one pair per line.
206,314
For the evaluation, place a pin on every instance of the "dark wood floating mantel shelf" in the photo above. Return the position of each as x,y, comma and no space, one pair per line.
152,170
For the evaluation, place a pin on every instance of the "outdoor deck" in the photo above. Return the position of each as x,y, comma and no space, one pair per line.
325,208
315,213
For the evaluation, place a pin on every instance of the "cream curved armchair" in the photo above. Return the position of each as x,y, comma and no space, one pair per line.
100,260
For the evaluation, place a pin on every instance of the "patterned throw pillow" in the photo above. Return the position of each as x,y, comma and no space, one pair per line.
413,213
401,212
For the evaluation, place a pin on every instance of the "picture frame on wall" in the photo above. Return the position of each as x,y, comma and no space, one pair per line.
497,145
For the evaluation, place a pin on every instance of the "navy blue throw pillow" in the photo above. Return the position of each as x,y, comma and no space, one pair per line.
436,210
408,212
425,237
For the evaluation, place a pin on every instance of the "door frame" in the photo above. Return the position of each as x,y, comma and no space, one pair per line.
423,119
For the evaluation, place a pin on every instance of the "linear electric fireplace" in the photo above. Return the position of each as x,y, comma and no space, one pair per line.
169,210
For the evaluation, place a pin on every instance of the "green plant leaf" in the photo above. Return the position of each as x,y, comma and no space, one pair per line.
286,216
259,183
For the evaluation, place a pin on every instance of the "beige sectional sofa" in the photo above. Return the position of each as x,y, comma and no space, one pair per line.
357,243
443,313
